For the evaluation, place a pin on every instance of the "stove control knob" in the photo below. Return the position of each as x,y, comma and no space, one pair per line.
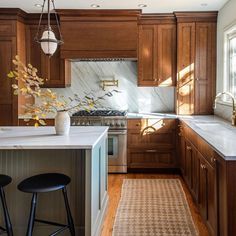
107,123
122,124
118,124
112,124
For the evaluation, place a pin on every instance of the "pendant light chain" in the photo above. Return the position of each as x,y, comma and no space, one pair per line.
40,20
57,21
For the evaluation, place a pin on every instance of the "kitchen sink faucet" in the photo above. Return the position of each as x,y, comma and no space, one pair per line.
233,118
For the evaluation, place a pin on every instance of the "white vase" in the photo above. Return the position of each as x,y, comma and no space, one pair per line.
62,123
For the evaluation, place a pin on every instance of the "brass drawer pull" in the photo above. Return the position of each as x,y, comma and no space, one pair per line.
180,134
151,151
138,124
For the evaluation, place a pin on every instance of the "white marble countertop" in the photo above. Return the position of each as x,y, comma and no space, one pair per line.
218,133
151,115
46,138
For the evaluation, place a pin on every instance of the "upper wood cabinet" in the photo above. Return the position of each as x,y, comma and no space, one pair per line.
99,34
157,54
12,43
55,70
196,63
7,54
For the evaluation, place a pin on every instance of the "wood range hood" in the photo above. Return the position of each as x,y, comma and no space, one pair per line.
99,34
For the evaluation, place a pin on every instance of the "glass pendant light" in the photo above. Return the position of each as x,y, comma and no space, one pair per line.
48,40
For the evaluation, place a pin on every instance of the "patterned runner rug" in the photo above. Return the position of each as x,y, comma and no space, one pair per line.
153,207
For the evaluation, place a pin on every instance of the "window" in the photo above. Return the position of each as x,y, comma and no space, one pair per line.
230,61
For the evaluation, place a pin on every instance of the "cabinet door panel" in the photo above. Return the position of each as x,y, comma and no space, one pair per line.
146,54
166,55
188,161
8,110
185,68
205,67
150,159
211,199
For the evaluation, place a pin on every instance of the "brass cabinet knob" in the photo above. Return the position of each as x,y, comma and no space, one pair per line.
138,124
180,134
213,159
189,148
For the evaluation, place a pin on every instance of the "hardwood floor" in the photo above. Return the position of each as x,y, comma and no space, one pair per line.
115,184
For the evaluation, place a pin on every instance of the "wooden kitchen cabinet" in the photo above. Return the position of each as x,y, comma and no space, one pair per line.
208,194
54,70
157,55
7,104
200,175
151,143
12,38
196,63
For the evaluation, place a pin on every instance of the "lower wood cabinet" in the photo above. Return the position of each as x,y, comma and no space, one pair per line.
151,143
199,170
153,158
208,194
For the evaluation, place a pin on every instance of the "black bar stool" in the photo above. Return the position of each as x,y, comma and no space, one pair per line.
4,181
47,183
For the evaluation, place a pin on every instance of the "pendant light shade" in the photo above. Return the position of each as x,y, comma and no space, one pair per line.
48,41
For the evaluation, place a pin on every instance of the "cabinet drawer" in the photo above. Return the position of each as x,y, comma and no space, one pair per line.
150,158
151,140
158,125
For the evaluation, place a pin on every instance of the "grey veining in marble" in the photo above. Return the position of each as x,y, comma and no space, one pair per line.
216,132
86,76
46,138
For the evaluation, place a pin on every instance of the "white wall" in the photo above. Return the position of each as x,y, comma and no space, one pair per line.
226,18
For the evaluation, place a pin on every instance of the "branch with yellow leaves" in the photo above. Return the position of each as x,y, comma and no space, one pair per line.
27,83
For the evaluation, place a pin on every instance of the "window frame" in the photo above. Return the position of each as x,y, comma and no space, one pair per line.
229,34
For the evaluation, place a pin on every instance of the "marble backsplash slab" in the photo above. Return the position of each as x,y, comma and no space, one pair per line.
86,77
224,111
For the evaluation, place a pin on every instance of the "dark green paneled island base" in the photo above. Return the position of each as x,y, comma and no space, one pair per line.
28,151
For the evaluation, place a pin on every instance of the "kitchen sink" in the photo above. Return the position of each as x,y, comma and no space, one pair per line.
213,127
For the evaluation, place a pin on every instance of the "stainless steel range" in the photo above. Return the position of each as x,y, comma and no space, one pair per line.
117,134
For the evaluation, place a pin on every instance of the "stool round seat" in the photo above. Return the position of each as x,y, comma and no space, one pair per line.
5,180
44,183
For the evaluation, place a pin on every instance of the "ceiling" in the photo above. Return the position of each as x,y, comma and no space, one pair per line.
153,6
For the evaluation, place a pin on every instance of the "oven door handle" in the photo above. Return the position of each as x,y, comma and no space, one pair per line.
117,132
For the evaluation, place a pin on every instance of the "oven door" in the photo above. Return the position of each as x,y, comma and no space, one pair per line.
117,151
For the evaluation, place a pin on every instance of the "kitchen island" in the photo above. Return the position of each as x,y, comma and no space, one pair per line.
82,155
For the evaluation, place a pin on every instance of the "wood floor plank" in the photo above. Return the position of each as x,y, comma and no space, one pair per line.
115,183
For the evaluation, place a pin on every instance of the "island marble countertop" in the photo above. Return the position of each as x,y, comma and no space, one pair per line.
218,133
46,138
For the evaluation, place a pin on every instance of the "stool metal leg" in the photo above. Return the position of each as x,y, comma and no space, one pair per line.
32,215
6,214
69,216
